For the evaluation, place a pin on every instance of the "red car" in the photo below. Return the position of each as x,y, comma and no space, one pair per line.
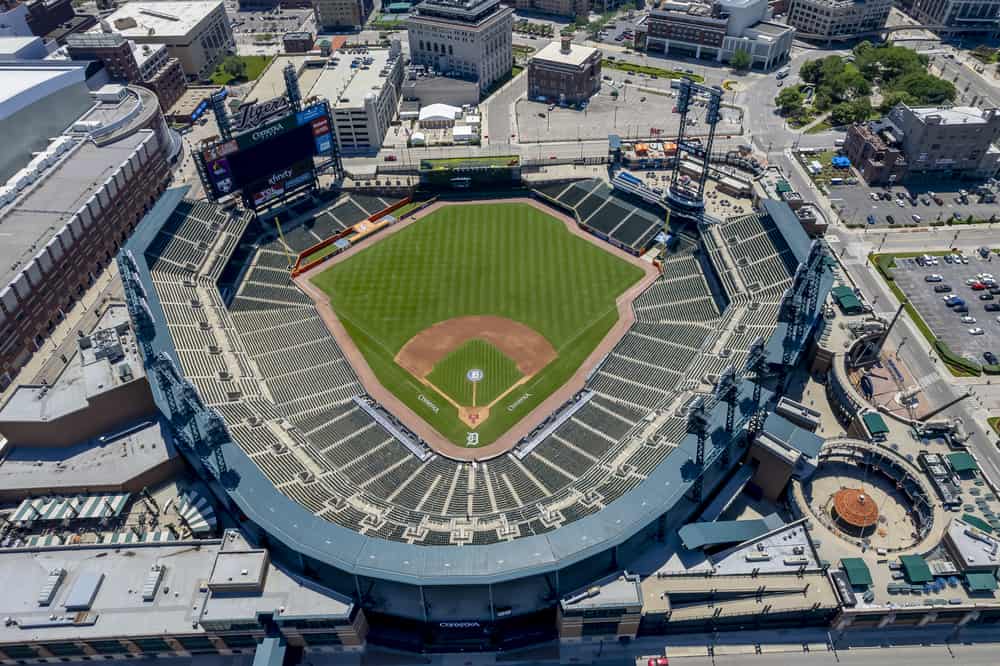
978,286
658,661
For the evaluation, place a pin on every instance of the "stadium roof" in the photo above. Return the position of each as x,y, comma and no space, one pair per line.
962,462
981,582
800,439
856,570
700,535
664,490
875,423
789,226
916,569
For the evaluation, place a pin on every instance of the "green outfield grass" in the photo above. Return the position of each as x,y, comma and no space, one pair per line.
508,260
499,373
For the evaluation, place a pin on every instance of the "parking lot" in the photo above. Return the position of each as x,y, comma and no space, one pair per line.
632,114
857,204
942,319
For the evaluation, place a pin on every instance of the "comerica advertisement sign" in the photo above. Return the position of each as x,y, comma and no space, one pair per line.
270,158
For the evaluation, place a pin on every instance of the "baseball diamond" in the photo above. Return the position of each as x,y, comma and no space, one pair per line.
504,287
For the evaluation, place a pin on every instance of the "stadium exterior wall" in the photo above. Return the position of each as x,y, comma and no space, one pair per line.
439,588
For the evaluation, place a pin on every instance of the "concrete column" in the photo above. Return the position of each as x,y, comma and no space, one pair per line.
697,52
927,619
887,620
843,622
971,616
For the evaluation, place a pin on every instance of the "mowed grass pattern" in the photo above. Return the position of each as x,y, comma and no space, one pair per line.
499,373
509,260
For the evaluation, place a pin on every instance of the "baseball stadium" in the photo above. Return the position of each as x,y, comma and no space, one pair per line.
589,402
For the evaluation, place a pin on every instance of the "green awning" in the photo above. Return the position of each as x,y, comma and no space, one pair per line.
916,569
875,423
856,570
981,582
846,299
977,522
962,462
782,187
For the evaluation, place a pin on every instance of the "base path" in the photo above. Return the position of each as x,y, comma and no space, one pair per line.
415,423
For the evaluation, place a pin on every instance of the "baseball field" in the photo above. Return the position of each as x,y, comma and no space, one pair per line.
474,314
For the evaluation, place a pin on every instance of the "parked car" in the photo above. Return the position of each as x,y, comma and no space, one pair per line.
890,219
871,219
933,277
986,296
978,286
992,307
916,218
976,331
995,290
990,357
968,320
962,309
948,259
944,289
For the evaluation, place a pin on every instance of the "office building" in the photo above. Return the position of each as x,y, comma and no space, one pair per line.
198,34
70,208
564,72
568,8
297,42
341,14
715,31
973,16
148,65
466,39
823,19
926,144
363,90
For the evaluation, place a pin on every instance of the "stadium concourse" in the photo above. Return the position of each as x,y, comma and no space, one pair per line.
442,553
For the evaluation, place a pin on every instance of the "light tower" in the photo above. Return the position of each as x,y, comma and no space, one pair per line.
686,195
756,364
697,424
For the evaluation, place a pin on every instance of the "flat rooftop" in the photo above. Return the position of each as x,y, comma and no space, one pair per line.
271,83
159,19
346,83
956,115
110,361
118,608
92,464
577,55
614,591
28,223
976,548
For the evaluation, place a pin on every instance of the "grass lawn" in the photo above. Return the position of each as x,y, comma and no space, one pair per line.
650,71
508,260
499,373
821,126
256,64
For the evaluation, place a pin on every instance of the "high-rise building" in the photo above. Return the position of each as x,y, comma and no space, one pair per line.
974,16
340,14
198,33
148,65
832,18
469,39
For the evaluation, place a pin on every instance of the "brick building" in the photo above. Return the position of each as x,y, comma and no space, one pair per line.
148,65
564,72
88,189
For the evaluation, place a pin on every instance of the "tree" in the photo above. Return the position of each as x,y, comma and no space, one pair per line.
847,113
895,97
234,67
809,72
926,88
790,101
740,60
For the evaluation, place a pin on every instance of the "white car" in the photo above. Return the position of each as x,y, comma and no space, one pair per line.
976,331
985,276
971,281
899,202
916,218
968,320
934,277
874,197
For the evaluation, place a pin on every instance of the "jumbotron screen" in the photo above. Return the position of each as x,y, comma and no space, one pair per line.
257,159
